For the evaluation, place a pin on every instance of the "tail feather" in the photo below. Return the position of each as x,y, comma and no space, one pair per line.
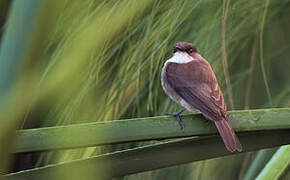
229,137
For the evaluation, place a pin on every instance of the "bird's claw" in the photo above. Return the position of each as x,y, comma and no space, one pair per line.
177,115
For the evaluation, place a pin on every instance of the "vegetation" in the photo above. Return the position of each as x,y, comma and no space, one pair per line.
72,62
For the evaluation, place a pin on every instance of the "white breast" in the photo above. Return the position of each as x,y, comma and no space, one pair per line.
180,58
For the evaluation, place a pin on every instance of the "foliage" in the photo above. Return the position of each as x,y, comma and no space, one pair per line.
92,60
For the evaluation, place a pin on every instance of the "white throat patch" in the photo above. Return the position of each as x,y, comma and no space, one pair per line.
180,58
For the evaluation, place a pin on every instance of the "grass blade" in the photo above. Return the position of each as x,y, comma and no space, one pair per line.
277,165
14,43
262,57
259,162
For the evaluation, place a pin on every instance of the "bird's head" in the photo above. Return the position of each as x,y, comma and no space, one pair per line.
186,47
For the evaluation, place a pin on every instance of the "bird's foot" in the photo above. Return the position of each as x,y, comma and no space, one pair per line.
177,114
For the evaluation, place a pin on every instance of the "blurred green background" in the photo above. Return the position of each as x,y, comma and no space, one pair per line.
92,60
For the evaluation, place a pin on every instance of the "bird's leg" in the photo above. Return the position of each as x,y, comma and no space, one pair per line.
177,114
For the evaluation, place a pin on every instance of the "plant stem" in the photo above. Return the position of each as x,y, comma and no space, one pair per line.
262,54
224,53
140,129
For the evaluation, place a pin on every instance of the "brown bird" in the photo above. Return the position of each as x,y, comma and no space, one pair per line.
188,79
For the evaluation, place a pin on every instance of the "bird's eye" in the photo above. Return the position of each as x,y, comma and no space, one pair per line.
190,50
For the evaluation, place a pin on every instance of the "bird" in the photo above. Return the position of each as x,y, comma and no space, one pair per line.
188,79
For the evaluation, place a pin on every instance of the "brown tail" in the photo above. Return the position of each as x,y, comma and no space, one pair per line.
228,135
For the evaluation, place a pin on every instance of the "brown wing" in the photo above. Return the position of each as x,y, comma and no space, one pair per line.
196,83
